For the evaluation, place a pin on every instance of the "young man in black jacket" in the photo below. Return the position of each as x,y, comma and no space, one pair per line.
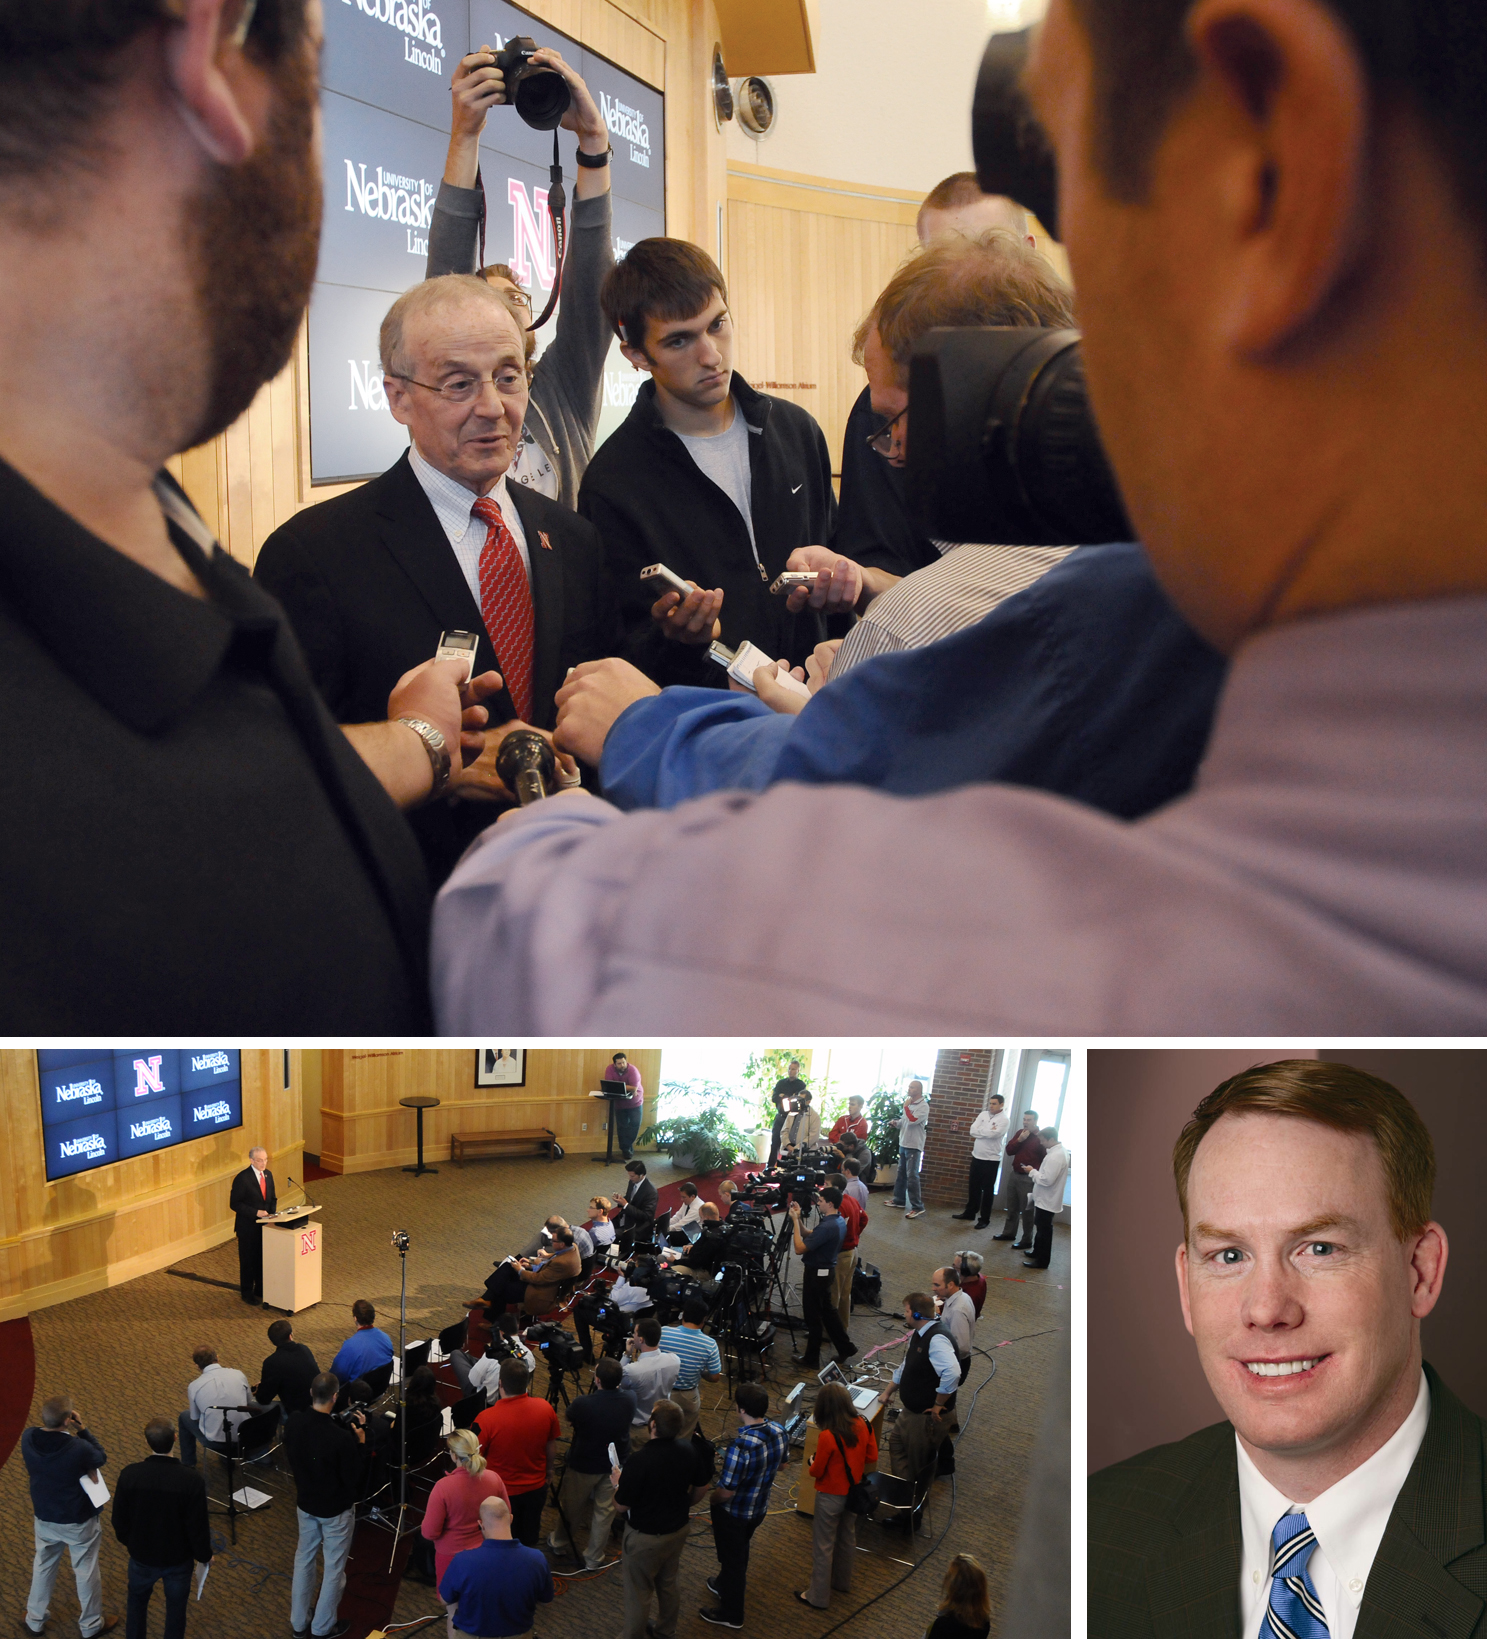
160,1515
718,482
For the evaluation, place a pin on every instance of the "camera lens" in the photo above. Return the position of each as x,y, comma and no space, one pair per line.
542,98
1003,444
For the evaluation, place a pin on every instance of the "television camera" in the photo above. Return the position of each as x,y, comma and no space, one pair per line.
1004,445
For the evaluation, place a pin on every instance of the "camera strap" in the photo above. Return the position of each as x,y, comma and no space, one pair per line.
557,201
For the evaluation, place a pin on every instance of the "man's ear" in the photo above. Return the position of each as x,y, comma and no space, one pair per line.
1182,1286
637,356
399,399
216,90
1293,122
1427,1269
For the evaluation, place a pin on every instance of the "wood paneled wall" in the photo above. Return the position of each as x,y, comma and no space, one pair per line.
807,258
363,1126
252,477
97,1229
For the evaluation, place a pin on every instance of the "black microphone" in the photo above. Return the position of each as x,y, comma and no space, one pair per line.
526,765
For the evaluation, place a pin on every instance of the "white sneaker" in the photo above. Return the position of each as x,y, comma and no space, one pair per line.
918,1212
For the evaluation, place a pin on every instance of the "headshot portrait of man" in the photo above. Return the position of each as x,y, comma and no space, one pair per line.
1344,1493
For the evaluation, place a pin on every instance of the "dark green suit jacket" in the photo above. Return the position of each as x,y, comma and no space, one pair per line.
1165,1543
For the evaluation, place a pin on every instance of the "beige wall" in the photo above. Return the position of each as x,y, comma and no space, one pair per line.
363,1127
248,480
806,258
82,1234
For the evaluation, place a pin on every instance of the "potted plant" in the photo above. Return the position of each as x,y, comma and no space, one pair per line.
883,1108
696,1130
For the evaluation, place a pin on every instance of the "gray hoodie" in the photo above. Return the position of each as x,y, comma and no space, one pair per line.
564,407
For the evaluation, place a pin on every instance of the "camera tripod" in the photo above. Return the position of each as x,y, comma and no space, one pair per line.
401,1526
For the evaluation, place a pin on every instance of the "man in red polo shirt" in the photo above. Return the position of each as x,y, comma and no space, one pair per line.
855,1217
854,1122
519,1439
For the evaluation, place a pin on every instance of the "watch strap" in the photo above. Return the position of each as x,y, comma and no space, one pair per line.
594,162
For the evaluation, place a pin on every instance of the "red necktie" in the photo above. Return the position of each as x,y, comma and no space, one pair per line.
263,1185
506,605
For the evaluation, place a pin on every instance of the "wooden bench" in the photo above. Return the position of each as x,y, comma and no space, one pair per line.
526,1140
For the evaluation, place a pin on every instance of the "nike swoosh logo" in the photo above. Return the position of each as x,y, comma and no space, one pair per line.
797,489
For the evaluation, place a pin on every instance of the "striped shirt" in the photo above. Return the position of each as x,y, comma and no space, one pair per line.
967,583
696,1351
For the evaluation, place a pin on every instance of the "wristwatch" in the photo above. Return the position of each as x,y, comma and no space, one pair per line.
594,162
437,748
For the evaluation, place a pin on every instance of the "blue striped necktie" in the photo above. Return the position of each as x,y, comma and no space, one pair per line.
1294,1611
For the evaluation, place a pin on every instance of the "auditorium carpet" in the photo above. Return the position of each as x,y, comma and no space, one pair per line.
125,1356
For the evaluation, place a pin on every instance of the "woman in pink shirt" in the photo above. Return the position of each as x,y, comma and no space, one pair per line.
452,1519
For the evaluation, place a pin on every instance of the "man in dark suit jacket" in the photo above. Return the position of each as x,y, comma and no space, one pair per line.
638,1217
370,579
252,1198
160,1515
1309,1260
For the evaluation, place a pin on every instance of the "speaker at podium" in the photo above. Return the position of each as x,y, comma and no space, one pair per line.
293,1241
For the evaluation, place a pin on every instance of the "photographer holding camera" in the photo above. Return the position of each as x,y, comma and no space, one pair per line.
563,407
786,1091
818,1254
325,1457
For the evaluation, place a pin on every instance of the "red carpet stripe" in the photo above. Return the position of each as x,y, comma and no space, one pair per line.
17,1381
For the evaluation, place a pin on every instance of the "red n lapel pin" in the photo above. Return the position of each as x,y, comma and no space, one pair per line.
542,538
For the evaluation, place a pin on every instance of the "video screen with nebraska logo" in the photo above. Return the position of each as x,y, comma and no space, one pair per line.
385,77
100,1106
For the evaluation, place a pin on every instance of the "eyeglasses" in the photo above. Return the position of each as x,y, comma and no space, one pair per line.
518,295
462,389
881,441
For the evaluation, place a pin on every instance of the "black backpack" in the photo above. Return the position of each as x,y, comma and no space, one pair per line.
867,1286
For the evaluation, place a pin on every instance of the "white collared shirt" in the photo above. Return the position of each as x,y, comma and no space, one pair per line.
451,502
988,1131
1348,1518
1048,1180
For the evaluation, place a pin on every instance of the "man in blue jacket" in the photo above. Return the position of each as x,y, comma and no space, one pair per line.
59,1456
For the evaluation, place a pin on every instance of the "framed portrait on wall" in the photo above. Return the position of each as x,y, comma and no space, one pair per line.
500,1067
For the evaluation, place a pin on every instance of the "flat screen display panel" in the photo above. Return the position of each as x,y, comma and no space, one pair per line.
99,1106
385,76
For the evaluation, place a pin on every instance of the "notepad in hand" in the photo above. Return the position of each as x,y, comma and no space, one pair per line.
96,1489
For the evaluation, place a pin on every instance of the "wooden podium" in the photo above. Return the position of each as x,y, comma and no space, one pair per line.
291,1259
805,1492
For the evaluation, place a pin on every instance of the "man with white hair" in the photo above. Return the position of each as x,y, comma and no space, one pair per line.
252,1200
441,541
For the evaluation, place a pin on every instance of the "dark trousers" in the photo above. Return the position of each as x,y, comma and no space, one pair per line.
1042,1236
776,1126
526,1514
982,1190
731,1537
505,1286
142,1580
817,1308
627,1128
250,1262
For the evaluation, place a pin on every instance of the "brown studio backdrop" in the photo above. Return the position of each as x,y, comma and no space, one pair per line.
1145,1384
